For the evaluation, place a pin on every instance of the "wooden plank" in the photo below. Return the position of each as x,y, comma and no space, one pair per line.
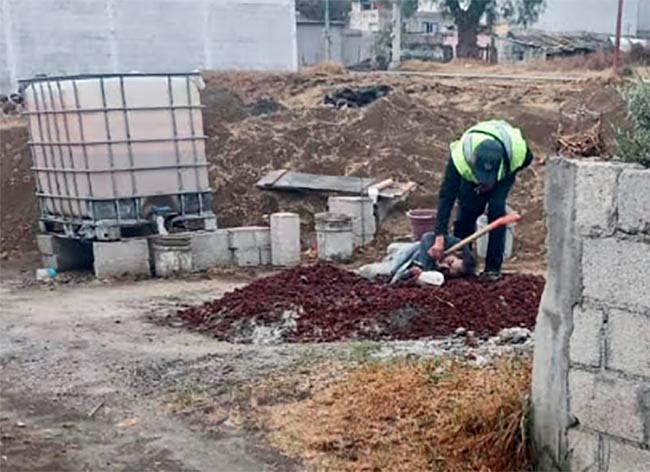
398,190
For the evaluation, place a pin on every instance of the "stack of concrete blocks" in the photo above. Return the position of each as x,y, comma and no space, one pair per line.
285,239
591,373
210,249
120,258
250,245
361,210
62,253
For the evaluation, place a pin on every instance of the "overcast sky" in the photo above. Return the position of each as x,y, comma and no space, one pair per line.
592,15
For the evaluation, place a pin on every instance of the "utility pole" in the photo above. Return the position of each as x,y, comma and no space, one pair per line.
326,32
617,46
396,58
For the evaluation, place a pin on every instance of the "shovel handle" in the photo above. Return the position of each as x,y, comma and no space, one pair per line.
502,221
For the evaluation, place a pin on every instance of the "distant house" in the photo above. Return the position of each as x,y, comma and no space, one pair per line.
369,16
524,46
349,47
426,22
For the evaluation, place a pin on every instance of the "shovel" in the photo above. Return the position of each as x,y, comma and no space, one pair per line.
503,221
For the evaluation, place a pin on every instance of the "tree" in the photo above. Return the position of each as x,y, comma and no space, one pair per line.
314,9
467,15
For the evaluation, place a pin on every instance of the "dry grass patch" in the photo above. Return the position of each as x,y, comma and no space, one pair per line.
442,416
326,68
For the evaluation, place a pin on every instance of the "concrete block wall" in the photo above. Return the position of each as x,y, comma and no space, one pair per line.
250,245
128,257
591,372
210,249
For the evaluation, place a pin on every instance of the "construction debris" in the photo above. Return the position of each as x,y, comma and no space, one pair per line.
356,97
330,304
580,134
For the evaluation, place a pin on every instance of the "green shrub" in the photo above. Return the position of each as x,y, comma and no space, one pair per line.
634,144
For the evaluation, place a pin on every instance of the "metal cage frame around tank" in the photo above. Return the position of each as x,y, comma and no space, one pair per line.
107,217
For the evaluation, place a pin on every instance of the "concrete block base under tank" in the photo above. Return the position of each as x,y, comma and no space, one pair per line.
248,246
119,258
63,253
210,249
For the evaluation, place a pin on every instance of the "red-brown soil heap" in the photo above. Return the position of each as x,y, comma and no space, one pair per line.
330,304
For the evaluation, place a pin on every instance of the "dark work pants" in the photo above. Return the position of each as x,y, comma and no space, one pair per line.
472,205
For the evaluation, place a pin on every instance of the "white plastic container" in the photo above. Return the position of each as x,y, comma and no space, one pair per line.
172,255
109,147
482,242
334,237
431,277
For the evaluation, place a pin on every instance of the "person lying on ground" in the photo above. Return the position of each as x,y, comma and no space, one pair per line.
480,173
413,259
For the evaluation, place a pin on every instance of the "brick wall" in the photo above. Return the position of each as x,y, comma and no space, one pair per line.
591,374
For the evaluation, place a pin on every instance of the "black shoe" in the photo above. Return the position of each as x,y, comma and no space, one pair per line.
490,275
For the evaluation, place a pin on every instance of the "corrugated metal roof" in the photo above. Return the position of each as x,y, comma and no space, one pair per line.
560,42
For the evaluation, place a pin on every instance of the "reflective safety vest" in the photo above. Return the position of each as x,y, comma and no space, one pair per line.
464,158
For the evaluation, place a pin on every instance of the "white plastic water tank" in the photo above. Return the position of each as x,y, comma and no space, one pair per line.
103,146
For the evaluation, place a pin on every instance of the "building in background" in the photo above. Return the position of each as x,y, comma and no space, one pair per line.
349,47
370,16
524,46
63,37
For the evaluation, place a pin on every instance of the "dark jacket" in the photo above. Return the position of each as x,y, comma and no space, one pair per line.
454,186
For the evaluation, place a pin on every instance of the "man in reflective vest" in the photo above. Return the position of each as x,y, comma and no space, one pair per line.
480,174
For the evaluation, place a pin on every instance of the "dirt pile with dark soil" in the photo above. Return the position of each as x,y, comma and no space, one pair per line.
18,208
257,122
322,303
404,136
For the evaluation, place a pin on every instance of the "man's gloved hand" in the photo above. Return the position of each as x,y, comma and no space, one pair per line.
437,251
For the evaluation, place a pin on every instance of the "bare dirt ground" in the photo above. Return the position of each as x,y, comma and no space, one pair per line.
95,376
67,350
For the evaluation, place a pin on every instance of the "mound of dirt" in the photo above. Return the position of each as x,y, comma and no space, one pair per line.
257,122
322,303
18,207
404,136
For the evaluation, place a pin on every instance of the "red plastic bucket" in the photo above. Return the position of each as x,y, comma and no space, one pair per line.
423,220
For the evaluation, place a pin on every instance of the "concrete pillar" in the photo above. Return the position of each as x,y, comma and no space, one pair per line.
334,237
397,35
285,239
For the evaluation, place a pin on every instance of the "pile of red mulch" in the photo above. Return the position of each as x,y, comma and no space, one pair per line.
330,304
